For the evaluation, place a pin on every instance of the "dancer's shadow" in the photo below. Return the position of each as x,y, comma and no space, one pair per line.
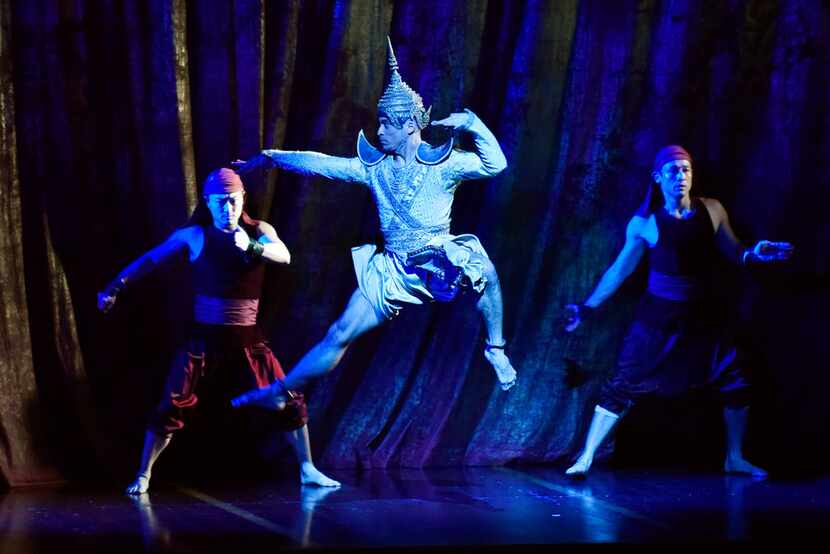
310,499
738,506
154,535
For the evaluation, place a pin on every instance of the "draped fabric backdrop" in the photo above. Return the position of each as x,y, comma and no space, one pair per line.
112,113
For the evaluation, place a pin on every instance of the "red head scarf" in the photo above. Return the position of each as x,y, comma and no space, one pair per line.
223,181
669,154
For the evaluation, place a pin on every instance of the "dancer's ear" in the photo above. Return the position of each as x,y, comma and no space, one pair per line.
656,176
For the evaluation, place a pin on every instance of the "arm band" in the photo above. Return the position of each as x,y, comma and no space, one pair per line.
115,286
255,249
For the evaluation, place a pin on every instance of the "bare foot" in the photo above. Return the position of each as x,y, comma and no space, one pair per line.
271,397
742,467
140,485
310,475
580,468
501,363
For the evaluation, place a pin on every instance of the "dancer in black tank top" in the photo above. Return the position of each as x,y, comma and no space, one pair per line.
676,341
226,353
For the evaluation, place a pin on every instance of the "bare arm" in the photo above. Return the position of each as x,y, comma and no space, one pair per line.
487,161
627,260
306,163
728,243
267,245
180,240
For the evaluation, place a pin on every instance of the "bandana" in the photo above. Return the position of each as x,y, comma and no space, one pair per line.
669,154
223,181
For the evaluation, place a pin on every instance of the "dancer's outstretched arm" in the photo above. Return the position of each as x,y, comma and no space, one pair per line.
306,163
627,260
763,251
180,240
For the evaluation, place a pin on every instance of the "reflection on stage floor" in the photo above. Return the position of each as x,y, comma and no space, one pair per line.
451,509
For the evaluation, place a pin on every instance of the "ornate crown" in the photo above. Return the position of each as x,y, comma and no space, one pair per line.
399,99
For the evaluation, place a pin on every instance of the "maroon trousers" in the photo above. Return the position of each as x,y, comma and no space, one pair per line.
673,347
218,363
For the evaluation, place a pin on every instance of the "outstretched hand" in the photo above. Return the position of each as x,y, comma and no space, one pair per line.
766,251
260,161
575,314
106,300
455,120
572,319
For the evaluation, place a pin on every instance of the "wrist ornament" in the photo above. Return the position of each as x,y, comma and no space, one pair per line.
586,311
115,286
254,250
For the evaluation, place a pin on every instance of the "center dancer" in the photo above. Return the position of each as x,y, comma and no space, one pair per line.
414,185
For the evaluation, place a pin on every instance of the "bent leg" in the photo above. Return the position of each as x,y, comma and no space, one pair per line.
154,445
735,419
734,387
601,424
309,474
178,398
358,318
491,308
643,348
640,352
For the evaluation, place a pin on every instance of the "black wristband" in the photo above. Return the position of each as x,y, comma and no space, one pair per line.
255,249
585,310
115,286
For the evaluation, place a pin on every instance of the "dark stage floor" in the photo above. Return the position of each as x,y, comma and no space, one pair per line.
451,510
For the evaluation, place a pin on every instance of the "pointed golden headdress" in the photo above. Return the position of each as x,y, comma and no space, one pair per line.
399,100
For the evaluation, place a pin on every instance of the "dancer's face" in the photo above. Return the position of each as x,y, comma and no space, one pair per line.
393,139
675,179
226,209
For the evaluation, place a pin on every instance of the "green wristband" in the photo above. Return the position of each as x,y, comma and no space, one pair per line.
255,249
